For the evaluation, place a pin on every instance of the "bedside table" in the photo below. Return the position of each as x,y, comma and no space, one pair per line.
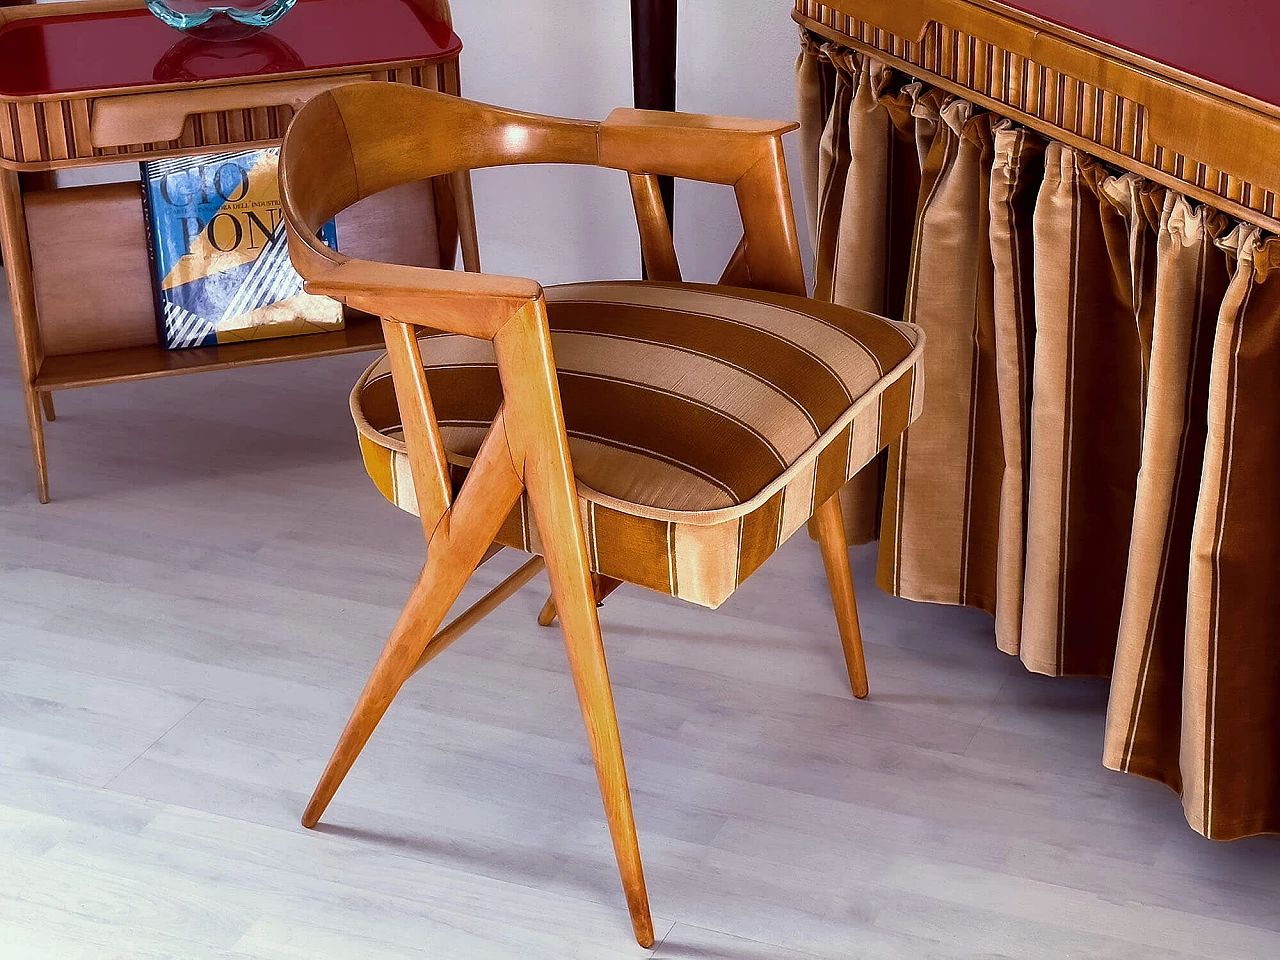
86,83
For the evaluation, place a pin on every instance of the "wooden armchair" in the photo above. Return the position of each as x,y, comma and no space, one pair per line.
706,423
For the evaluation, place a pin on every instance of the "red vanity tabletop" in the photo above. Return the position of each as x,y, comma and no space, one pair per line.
131,48
1229,42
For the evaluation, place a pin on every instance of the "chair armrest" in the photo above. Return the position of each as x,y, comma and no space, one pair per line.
688,145
472,304
746,154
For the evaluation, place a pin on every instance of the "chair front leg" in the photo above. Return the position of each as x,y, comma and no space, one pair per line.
427,605
540,450
575,602
455,550
828,527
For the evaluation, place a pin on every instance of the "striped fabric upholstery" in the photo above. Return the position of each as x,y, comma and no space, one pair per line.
705,423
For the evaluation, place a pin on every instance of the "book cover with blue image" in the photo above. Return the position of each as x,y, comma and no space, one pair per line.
219,254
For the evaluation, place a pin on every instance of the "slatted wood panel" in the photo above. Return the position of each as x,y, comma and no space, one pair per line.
55,133
1072,105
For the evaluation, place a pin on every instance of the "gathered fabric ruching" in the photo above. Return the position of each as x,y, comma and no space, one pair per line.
1096,462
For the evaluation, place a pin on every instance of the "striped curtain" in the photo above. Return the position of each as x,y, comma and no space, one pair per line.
1096,463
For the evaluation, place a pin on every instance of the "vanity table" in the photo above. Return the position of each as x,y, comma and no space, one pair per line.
1078,203
90,83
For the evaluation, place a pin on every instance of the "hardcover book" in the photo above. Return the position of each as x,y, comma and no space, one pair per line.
219,254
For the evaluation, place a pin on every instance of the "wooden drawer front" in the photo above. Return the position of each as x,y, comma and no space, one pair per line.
79,130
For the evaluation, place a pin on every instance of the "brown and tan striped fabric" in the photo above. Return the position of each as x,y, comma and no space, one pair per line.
705,423
1096,466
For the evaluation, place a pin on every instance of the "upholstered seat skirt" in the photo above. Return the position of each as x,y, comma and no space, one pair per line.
705,423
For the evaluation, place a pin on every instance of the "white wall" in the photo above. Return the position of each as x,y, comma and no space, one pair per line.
574,59
557,224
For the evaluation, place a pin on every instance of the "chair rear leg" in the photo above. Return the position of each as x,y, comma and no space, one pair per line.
540,451
547,615
828,527
603,586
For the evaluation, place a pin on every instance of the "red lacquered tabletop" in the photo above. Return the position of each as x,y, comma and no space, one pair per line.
1228,42
131,48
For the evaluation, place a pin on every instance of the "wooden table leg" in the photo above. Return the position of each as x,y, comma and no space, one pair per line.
22,298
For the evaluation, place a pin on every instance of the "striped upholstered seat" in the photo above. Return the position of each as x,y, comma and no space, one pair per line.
705,423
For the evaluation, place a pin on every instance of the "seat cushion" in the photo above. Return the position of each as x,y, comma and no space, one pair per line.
705,423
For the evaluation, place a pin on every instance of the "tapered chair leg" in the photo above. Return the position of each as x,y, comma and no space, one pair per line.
547,615
828,528
574,595
581,628
603,587
418,622
458,545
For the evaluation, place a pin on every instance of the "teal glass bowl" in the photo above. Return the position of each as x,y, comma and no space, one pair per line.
220,19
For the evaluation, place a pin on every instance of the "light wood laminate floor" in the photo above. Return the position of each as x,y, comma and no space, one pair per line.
184,629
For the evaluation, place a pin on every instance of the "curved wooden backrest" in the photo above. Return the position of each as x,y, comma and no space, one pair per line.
353,141
350,143
357,140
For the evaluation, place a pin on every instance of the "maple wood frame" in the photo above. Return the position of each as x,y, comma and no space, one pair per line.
353,142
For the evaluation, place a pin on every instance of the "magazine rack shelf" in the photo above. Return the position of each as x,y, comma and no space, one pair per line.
85,83
143,363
